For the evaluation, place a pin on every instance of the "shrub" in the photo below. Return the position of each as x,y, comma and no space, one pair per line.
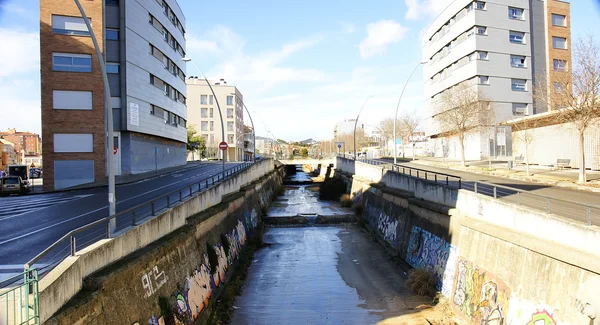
346,201
422,282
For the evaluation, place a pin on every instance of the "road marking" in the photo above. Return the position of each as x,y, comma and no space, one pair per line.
39,205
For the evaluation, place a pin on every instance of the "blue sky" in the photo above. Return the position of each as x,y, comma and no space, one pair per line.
301,65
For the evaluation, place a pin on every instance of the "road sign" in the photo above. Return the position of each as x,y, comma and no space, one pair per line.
223,146
115,151
339,145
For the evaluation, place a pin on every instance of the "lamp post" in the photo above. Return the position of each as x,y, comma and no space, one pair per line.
108,122
355,122
398,106
253,133
218,108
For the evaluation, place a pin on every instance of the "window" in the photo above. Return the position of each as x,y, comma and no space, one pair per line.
559,20
481,30
212,125
480,5
230,139
482,55
559,43
517,61
230,113
112,2
112,67
71,62
211,115
204,126
203,99
519,109
229,126
560,65
483,80
69,25
63,99
64,142
519,84
112,34
204,112
517,37
210,99
515,13
558,87
229,100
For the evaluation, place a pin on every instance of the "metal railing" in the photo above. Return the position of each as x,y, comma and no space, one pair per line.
579,211
79,238
19,303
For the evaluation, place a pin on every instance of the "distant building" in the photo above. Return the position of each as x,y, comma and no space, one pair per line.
265,146
202,112
8,154
26,142
143,43
249,147
501,49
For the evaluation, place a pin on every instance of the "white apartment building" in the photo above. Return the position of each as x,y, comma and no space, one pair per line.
501,47
202,112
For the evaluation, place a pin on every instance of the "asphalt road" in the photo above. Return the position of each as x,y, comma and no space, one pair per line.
566,202
29,224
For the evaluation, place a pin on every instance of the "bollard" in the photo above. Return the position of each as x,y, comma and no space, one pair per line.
133,217
153,212
73,245
425,175
475,187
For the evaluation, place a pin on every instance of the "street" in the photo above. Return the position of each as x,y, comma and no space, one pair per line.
31,223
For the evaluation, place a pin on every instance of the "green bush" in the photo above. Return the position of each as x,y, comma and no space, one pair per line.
422,282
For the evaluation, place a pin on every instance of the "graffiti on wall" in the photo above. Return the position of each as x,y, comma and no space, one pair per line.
431,252
251,220
386,225
479,296
152,281
542,318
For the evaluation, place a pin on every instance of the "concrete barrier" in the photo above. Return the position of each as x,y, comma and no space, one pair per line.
64,281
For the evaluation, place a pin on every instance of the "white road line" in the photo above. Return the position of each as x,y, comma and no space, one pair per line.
80,216
42,206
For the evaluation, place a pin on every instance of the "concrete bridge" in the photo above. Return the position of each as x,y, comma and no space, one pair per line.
308,161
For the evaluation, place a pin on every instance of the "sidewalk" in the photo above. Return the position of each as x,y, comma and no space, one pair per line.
539,174
119,180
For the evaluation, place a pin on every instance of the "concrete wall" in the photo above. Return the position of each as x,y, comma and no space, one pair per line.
66,280
498,263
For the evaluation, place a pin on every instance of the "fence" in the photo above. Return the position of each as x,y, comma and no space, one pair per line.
19,303
111,226
583,212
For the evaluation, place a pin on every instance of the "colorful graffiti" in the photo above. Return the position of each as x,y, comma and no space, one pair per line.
431,252
153,276
194,293
482,298
542,318
219,275
251,220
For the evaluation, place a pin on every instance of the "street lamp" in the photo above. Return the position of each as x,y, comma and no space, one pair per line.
398,106
218,107
355,122
108,122
253,133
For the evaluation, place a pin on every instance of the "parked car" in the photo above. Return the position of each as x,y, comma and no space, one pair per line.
13,185
35,173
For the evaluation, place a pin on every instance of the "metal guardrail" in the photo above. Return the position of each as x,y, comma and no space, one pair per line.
19,303
79,238
579,211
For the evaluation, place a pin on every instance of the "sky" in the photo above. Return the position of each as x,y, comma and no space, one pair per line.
301,66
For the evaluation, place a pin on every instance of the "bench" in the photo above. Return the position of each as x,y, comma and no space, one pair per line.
563,163
519,160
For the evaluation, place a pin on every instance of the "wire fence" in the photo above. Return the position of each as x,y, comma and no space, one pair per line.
105,227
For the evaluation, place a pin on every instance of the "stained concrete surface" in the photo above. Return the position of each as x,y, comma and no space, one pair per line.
323,275
299,200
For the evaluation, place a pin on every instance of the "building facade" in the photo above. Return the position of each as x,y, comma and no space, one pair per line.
143,45
202,112
8,154
25,142
502,48
249,148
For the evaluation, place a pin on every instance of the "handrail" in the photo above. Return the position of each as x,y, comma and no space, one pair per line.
70,234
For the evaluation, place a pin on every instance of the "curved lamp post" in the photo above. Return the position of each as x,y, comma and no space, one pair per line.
398,106
355,122
253,133
108,122
218,107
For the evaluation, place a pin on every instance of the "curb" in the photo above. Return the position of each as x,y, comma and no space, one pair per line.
97,185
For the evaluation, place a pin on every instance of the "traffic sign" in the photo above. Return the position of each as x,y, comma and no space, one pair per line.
115,151
223,146
339,145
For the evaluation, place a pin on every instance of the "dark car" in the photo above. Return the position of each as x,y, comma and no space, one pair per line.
13,185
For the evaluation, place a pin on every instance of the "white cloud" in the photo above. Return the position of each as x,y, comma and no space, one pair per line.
20,52
380,35
348,28
418,9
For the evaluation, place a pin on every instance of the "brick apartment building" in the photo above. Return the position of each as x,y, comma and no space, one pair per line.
25,142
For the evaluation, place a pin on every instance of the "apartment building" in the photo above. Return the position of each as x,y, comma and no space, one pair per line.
502,48
143,43
202,112
26,143
8,154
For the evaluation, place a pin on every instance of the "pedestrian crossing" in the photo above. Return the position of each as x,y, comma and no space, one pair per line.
11,207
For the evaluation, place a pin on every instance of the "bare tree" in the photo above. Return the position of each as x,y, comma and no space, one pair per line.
524,132
461,110
576,95
409,125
